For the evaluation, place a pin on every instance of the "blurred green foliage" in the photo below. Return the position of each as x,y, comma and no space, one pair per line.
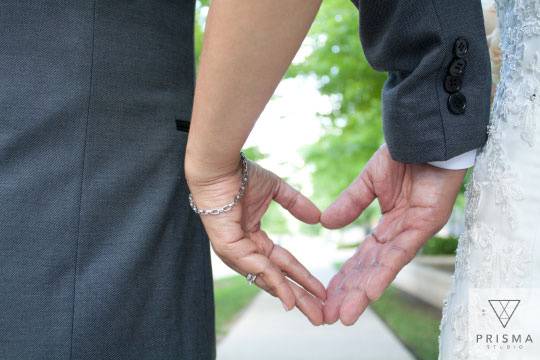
352,130
440,246
353,127
201,8
254,154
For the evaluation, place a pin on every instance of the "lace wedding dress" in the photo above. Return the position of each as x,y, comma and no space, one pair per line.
495,289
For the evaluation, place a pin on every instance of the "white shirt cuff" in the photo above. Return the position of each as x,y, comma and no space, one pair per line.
460,162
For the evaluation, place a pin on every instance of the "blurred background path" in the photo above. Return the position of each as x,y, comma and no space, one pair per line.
266,332
402,324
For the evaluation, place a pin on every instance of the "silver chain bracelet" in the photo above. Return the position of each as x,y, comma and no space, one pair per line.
237,197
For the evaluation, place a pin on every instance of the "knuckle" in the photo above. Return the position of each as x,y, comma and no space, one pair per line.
282,282
289,262
302,296
266,266
272,288
219,249
292,200
225,249
272,249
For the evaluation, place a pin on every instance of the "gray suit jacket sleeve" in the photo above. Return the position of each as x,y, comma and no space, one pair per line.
428,114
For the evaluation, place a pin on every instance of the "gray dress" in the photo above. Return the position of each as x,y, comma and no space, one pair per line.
100,255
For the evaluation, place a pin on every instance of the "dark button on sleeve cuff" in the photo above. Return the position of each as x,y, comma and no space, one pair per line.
457,67
452,84
457,103
461,47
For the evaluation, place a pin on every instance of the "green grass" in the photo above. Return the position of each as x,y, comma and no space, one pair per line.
232,295
437,245
440,246
415,323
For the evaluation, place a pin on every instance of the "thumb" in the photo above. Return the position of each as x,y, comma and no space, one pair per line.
350,203
297,204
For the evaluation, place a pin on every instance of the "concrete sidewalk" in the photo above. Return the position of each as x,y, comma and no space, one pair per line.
266,332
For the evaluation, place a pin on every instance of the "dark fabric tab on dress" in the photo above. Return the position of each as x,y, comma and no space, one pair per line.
182,125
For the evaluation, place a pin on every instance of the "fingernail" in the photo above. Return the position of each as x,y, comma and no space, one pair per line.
285,306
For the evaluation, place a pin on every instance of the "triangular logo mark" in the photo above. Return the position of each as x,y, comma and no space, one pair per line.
504,309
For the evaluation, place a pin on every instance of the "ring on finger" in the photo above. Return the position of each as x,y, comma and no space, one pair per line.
251,278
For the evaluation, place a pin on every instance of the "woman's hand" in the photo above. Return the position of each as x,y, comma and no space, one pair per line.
237,238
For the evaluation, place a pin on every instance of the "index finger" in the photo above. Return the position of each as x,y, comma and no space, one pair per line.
297,204
296,271
350,203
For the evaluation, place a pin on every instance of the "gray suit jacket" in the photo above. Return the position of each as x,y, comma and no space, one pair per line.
436,98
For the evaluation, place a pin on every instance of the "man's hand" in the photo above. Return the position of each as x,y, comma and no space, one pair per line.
416,201
238,240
